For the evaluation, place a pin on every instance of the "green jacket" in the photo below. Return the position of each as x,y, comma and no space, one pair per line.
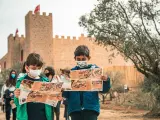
22,109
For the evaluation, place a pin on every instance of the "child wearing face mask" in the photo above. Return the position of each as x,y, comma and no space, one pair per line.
50,72
7,95
84,105
32,110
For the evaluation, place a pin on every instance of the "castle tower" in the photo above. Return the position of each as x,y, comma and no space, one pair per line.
39,36
8,63
13,55
16,50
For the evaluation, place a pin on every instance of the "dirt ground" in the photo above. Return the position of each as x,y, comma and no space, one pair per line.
114,114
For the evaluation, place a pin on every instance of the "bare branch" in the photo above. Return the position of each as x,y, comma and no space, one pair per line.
141,11
129,22
143,61
155,25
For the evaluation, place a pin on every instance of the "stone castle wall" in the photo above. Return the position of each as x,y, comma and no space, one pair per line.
59,51
64,52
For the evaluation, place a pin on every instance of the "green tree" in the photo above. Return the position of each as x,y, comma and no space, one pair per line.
18,67
5,75
131,27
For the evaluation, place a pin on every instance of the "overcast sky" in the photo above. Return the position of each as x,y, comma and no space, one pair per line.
65,14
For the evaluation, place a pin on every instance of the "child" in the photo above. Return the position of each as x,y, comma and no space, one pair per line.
50,72
7,93
32,110
65,74
84,105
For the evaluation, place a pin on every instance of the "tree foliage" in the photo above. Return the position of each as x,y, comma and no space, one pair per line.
5,73
133,28
17,67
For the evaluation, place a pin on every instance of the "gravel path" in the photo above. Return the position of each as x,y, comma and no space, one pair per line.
109,115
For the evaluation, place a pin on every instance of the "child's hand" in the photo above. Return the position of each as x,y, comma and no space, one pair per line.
17,93
11,94
104,78
62,89
11,102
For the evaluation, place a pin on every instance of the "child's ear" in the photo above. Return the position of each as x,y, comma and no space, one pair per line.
89,57
27,69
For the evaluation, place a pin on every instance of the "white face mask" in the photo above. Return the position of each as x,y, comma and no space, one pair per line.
82,64
62,77
34,73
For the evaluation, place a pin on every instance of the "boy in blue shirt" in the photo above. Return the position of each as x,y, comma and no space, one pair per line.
84,105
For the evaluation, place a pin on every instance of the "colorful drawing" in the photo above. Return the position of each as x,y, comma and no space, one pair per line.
42,92
86,80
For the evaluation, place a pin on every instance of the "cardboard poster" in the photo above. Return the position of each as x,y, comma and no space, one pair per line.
86,80
50,92
42,92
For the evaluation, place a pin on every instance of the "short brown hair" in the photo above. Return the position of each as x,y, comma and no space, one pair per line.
82,50
34,59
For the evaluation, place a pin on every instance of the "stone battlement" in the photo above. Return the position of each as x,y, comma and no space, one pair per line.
11,36
30,13
57,37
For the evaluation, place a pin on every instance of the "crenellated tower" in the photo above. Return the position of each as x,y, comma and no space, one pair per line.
10,49
13,50
39,36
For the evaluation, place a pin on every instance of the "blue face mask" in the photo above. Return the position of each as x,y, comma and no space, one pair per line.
13,75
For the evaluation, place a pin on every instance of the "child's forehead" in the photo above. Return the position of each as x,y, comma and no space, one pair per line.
81,56
34,66
13,72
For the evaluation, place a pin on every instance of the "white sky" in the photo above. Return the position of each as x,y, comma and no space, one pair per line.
65,14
